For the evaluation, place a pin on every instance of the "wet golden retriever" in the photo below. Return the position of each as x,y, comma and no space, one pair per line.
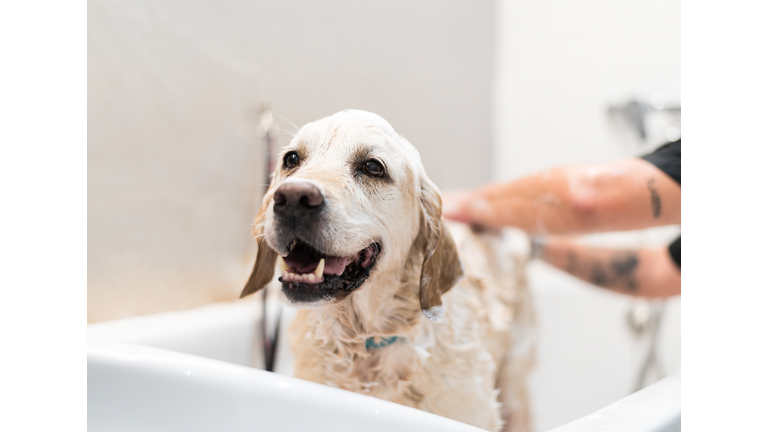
388,308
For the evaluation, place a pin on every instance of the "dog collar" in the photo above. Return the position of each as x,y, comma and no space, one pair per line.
371,343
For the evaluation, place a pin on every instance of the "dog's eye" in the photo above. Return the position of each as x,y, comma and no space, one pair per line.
374,168
291,159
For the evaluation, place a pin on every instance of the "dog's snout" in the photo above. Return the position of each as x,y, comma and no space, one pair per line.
297,198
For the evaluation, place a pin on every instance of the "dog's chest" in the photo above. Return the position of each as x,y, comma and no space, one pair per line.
439,368
395,372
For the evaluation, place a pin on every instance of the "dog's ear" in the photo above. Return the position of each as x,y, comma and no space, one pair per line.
264,268
442,268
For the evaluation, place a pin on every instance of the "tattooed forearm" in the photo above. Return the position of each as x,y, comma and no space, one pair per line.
609,269
635,272
599,276
655,199
624,266
618,272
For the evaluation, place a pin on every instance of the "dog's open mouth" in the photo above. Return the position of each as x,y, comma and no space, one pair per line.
310,275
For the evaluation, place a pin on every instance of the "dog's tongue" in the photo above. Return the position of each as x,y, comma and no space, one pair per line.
334,265
304,259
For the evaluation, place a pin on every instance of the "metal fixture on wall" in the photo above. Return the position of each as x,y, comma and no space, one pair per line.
643,318
269,131
635,113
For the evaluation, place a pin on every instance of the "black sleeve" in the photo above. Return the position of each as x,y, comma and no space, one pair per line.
674,251
667,159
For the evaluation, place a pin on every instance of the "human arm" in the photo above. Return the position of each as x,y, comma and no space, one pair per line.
647,272
579,199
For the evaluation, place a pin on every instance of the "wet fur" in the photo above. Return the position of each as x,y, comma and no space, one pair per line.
472,366
466,368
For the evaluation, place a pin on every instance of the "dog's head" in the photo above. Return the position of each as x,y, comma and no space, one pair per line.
349,203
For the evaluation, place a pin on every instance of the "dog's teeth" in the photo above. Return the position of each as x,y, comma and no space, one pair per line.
283,265
318,273
311,278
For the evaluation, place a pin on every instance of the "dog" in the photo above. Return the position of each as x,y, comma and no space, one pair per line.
387,307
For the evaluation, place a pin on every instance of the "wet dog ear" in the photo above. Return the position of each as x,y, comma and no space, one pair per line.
264,268
442,267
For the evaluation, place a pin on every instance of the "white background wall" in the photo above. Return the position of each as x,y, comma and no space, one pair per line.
560,65
175,165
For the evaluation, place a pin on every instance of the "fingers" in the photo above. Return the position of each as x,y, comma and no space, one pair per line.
456,206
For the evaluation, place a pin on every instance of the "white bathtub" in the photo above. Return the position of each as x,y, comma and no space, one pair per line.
190,371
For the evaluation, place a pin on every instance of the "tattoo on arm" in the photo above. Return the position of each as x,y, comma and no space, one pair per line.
614,270
618,273
655,199
624,269
599,277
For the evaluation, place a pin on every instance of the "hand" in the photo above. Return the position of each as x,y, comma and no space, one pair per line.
457,206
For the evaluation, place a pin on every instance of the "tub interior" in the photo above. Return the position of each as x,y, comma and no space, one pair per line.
136,363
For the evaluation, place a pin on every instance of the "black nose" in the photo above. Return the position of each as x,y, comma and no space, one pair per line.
298,199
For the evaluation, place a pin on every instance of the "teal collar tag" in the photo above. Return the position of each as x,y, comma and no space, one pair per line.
371,343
